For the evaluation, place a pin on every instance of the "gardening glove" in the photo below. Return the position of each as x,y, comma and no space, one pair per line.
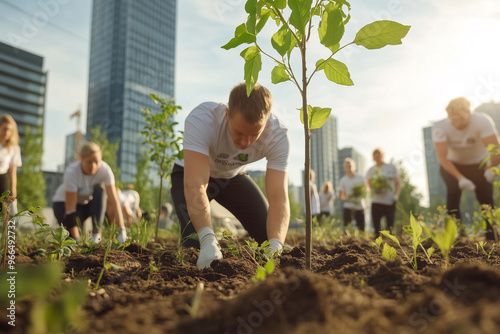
489,175
396,197
122,235
275,246
70,220
466,184
96,238
209,248
13,208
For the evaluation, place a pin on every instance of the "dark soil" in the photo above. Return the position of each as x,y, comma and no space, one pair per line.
351,289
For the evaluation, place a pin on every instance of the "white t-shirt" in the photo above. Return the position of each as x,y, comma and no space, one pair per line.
465,146
130,198
314,198
206,132
325,204
75,181
9,158
389,172
346,185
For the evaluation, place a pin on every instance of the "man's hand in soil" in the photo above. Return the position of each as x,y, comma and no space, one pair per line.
275,247
209,248
466,184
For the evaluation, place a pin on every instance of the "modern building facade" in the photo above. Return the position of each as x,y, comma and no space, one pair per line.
324,153
132,54
359,160
22,87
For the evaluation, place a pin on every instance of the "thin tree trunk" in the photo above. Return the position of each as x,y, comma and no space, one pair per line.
307,160
159,208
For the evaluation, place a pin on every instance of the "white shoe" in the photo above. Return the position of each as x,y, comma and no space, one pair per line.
122,235
96,238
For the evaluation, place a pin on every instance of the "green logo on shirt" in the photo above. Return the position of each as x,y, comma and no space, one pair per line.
243,157
471,140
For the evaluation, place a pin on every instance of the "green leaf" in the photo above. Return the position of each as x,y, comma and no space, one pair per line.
416,231
269,266
282,41
393,238
253,65
335,71
251,9
389,252
264,16
378,34
317,116
430,251
332,28
279,74
301,14
280,4
240,36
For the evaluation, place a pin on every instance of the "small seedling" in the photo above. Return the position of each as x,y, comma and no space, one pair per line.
444,238
415,231
481,245
389,252
195,303
263,272
106,266
64,244
396,241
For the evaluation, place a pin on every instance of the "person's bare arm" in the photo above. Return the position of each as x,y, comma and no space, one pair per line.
71,198
278,216
397,186
196,176
114,204
442,152
493,139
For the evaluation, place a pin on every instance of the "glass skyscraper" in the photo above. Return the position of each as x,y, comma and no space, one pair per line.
132,54
22,87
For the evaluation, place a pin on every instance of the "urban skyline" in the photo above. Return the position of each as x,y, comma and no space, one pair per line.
398,90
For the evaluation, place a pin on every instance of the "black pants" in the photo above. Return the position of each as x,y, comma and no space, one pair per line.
358,215
95,208
381,210
4,185
484,190
240,195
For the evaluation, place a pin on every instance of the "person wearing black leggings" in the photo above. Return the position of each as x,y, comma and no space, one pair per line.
10,158
460,141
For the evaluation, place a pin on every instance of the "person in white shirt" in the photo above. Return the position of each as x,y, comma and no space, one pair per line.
383,180
10,158
353,200
326,197
460,141
219,140
130,201
82,195
314,193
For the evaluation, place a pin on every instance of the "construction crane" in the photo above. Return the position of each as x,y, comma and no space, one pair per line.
78,133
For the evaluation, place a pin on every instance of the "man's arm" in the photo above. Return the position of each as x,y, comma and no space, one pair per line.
114,203
196,176
278,216
442,152
13,180
493,139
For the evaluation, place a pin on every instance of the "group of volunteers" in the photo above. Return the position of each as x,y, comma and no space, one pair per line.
221,139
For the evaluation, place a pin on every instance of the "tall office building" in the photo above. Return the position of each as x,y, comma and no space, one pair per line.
22,87
359,160
324,152
132,54
437,188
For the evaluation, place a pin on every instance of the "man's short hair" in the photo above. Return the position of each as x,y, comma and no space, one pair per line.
254,108
459,105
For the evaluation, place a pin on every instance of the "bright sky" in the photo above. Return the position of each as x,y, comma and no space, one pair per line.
451,50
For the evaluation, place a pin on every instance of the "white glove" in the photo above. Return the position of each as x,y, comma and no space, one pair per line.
122,235
466,184
489,175
13,208
396,197
275,246
209,248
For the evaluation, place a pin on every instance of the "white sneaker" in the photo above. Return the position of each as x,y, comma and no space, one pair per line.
122,235
96,238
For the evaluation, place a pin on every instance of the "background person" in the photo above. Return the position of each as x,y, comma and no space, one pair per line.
383,198
314,194
460,141
326,197
10,158
351,194
82,195
129,201
219,140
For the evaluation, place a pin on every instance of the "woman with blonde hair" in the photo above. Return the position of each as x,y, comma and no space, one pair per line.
10,158
326,198
351,193
82,195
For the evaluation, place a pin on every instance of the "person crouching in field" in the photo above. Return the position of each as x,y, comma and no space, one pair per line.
82,195
10,158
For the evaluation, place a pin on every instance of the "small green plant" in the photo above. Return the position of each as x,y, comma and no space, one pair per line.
481,244
389,252
396,241
106,266
142,233
414,230
195,303
358,192
263,272
444,238
63,243
379,183
152,269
